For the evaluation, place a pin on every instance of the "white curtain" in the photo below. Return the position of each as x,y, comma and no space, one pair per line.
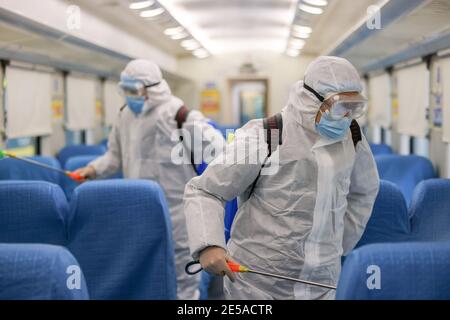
28,102
112,102
81,99
413,100
364,119
380,101
445,78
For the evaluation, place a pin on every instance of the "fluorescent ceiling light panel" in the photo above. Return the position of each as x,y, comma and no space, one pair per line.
193,47
188,43
302,29
319,3
310,9
179,36
173,31
152,13
293,52
301,35
201,53
139,5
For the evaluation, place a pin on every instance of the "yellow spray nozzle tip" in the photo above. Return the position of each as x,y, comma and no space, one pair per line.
243,269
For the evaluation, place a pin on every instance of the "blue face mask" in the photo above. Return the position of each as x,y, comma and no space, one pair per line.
331,129
136,104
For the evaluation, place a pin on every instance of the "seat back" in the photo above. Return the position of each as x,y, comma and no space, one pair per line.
405,171
380,149
14,169
400,271
79,150
430,211
40,272
32,212
120,232
389,221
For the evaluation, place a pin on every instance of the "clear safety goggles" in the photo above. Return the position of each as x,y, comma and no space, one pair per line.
348,105
133,88
338,106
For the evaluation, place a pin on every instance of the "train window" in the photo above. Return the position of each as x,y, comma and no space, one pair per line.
75,137
22,146
420,146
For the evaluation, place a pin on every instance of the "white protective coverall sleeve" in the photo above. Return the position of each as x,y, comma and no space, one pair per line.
364,188
111,162
226,178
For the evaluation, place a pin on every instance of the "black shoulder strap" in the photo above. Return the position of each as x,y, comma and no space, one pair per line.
181,118
356,132
123,107
273,128
273,123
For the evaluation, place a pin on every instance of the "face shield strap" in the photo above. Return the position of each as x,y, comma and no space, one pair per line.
152,85
314,92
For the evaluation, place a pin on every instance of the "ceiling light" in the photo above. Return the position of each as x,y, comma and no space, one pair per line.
310,9
189,43
179,36
293,52
319,3
301,35
139,5
173,31
152,13
193,47
302,29
201,53
297,43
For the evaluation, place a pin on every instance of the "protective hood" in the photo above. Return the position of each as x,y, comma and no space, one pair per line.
327,76
149,74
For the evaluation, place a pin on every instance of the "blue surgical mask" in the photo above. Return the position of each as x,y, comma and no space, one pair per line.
136,104
333,129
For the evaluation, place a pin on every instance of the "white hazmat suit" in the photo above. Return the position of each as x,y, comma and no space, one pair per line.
141,146
301,220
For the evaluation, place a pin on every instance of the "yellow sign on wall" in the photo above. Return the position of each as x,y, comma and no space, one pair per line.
210,102
394,109
57,109
99,108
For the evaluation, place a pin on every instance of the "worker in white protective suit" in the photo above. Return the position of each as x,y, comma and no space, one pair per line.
141,145
301,218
